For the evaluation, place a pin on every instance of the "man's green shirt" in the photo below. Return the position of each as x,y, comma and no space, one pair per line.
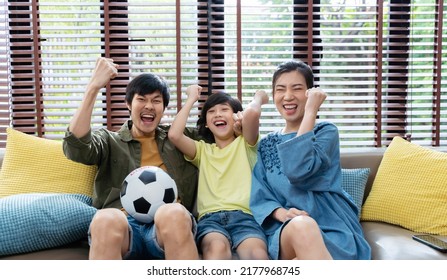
116,154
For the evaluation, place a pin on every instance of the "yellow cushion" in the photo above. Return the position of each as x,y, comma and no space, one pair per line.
37,165
410,189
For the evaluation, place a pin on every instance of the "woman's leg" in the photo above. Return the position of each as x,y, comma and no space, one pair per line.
301,239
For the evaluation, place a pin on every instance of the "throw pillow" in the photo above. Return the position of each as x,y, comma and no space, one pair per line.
37,221
32,164
410,189
353,181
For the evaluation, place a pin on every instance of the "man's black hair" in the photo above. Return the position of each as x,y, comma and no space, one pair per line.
148,83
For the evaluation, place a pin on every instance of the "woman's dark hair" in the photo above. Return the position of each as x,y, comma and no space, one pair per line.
213,100
294,65
147,83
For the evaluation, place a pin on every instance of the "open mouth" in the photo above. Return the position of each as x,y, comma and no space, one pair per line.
147,117
220,123
290,107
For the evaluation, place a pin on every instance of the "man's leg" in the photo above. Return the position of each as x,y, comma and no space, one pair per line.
174,226
109,232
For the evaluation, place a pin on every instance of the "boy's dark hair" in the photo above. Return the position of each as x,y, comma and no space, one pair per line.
294,65
213,100
148,83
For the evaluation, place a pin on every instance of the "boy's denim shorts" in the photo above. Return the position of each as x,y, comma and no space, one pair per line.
236,226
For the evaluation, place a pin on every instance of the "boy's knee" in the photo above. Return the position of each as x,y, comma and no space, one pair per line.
216,249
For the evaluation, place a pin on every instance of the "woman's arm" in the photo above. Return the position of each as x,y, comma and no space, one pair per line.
315,97
306,158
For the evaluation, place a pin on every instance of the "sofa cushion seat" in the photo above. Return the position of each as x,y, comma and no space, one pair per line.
391,242
77,250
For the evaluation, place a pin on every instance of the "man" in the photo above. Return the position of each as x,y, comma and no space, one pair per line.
140,141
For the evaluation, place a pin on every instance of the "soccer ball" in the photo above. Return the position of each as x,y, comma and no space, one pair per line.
144,190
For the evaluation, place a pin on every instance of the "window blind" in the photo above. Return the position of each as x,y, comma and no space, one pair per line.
4,84
382,63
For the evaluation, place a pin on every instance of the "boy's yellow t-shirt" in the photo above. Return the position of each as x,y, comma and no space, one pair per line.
224,176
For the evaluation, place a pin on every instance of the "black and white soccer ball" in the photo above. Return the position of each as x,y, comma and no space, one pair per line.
144,190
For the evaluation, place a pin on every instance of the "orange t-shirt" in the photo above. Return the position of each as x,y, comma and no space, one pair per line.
149,152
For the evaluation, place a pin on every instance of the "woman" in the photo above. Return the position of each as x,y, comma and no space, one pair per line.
296,193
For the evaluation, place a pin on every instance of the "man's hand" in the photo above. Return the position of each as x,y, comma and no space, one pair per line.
105,70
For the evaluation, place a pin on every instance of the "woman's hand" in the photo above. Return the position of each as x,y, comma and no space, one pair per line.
283,214
315,97
293,212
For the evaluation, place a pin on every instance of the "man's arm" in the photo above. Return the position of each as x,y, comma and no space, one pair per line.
104,71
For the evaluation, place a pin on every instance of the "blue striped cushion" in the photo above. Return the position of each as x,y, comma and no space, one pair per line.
354,183
35,221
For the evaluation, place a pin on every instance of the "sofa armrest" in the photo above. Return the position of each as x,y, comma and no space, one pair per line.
2,155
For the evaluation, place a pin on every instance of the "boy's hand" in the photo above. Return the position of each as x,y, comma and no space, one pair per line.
237,126
193,92
261,96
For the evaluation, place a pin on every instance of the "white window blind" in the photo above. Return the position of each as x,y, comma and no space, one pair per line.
383,63
4,81
71,38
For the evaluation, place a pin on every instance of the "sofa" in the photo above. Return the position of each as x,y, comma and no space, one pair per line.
388,241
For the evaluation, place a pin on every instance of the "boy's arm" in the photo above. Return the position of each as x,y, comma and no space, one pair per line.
185,144
105,70
250,117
